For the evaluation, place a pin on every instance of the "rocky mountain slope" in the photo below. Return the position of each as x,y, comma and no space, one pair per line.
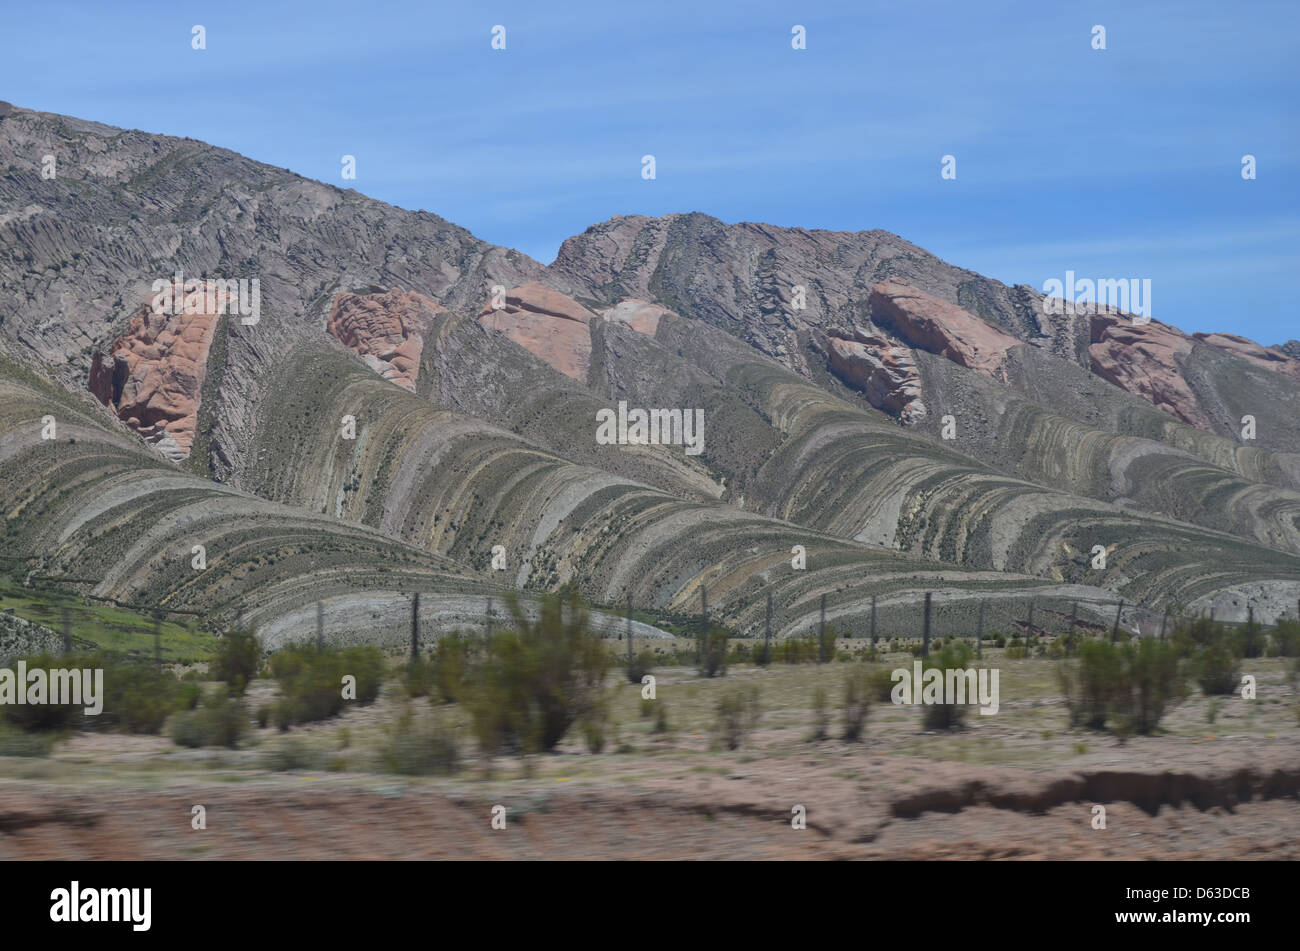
396,405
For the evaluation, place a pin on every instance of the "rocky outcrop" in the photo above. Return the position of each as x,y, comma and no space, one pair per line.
547,324
1146,360
152,377
884,372
929,323
387,330
1251,352
639,315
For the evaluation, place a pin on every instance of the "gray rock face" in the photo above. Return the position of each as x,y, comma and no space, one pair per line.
81,251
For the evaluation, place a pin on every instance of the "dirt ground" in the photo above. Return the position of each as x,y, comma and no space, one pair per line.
1017,785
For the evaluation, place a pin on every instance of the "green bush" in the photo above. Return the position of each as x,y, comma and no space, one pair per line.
640,665
219,721
713,659
1217,668
239,656
661,717
737,712
880,685
537,678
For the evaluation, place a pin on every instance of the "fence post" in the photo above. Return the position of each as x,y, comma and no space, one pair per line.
320,626
1029,626
821,634
1069,637
629,629
1164,621
979,632
925,632
415,628
1114,631
157,638
873,622
1250,630
67,632
704,625
489,618
767,632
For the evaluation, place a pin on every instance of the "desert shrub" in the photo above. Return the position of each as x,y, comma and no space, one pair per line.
713,657
291,752
424,747
188,695
797,650
821,718
880,685
1128,686
999,640
661,717
1153,681
537,678
857,703
593,733
138,697
263,716
1090,683
20,743
452,656
1285,640
418,677
311,680
219,721
946,716
737,712
638,666
239,656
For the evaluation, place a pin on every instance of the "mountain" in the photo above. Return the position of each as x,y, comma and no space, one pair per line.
346,402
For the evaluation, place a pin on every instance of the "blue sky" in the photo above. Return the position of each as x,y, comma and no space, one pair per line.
1122,163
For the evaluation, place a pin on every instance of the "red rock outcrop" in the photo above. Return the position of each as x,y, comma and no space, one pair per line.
1145,360
152,378
884,372
641,315
1266,357
547,324
929,323
387,330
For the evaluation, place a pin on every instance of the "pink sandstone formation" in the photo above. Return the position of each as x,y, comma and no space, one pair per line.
884,372
640,315
547,324
929,323
1146,360
387,330
152,377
